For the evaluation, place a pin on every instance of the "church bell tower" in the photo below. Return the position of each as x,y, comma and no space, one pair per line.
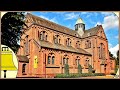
80,26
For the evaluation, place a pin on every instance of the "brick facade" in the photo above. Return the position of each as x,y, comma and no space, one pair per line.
48,46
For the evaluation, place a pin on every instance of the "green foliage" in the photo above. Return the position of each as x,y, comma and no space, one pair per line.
79,69
67,76
116,68
90,69
11,29
66,69
77,75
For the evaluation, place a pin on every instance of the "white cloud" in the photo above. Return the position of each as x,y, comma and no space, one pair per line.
116,37
71,16
106,13
82,13
59,13
26,12
114,50
44,17
98,23
88,15
109,45
52,20
109,22
70,26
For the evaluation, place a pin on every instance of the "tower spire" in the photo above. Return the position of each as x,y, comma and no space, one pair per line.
80,26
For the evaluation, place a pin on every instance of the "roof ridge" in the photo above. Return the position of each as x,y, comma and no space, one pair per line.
93,27
49,21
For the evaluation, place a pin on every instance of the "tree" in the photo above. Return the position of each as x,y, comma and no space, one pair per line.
66,68
117,62
90,69
11,29
79,69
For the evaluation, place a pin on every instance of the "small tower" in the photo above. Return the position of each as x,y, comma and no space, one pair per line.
80,26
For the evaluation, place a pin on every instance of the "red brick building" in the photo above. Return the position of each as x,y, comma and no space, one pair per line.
46,47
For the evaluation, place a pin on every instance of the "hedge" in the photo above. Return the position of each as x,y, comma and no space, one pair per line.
66,69
78,75
79,69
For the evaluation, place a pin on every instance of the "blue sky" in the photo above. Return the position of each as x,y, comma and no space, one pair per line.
108,20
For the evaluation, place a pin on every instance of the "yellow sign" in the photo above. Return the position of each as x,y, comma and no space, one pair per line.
9,63
7,59
35,62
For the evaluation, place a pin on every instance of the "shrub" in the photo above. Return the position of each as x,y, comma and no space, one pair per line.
67,76
90,69
79,69
116,68
99,74
66,68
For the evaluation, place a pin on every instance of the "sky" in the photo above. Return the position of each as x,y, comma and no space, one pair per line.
108,20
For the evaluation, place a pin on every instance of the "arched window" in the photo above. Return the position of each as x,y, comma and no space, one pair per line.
43,35
101,50
68,42
77,60
88,44
76,27
51,58
46,38
23,68
56,39
65,59
86,63
59,40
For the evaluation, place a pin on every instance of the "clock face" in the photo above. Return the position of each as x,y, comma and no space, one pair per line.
9,62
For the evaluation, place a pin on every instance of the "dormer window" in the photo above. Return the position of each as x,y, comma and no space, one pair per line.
68,42
78,44
43,35
88,44
56,39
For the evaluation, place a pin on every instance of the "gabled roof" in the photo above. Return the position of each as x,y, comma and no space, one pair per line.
46,23
91,31
22,58
61,47
51,25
